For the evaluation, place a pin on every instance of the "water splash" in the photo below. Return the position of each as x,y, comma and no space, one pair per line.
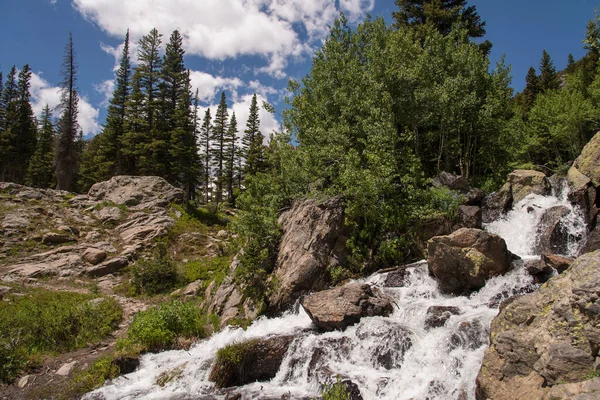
396,357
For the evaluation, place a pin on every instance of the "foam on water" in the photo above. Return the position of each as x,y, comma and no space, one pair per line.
438,363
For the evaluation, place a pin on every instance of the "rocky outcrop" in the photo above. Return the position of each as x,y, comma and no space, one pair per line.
452,182
314,238
520,184
246,362
546,339
465,259
140,191
343,306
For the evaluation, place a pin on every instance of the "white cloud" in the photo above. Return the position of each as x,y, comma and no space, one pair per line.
208,85
105,88
43,93
221,29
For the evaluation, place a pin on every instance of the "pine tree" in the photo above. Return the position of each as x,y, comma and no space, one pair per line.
252,140
205,151
219,149
110,152
173,88
231,149
570,63
548,78
68,146
149,66
8,103
2,106
41,171
183,148
136,129
532,89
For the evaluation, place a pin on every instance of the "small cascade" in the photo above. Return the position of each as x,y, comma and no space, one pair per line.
403,356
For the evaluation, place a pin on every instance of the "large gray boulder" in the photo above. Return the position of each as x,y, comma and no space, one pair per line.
140,191
343,306
314,238
553,234
465,259
545,339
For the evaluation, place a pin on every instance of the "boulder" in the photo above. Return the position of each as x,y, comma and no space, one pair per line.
246,362
141,191
469,335
395,278
553,235
57,238
469,217
94,256
108,215
313,239
142,227
451,181
343,306
438,315
107,267
588,162
465,259
547,338
474,197
526,182
497,204
559,263
592,242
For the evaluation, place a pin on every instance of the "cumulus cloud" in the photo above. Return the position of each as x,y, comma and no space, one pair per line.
221,29
208,85
105,88
43,93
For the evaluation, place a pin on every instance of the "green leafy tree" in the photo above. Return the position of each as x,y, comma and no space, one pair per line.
205,151
41,171
68,146
219,146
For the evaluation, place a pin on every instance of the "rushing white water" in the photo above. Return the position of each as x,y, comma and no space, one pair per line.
395,357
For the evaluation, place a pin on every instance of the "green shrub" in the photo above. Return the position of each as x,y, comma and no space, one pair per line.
158,328
336,391
155,276
45,321
208,269
95,376
228,361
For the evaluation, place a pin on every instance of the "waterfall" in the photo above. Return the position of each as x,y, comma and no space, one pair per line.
395,357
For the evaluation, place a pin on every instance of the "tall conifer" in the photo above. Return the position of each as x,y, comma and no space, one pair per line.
231,152
41,171
548,78
252,140
219,146
205,152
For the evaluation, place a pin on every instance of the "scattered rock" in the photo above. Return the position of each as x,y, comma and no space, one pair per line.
546,338
256,360
24,381
464,260
314,238
451,181
193,288
141,191
559,263
438,315
107,267
65,369
222,234
343,306
94,256
57,238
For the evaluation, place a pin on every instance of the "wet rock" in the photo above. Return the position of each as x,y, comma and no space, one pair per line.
451,181
107,267
126,364
526,182
396,278
57,238
94,256
141,191
386,342
497,204
352,389
469,217
469,335
464,260
438,315
314,238
559,263
256,360
343,306
336,349
538,269
545,338
553,235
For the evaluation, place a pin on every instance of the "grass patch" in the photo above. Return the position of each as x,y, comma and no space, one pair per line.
159,327
207,269
228,361
335,391
95,376
45,321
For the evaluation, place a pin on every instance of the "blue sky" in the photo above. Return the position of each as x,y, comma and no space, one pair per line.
245,46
